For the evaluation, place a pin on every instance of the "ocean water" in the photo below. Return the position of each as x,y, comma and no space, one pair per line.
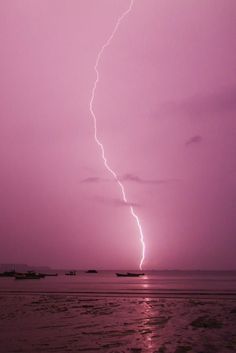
107,283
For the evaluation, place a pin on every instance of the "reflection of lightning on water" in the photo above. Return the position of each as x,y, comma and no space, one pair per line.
99,143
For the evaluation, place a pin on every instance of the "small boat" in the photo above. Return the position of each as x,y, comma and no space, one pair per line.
29,275
8,274
71,273
20,276
129,274
92,271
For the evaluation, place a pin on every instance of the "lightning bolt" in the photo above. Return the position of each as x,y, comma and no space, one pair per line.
98,141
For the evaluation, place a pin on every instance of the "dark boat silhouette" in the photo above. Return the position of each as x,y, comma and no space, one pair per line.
29,275
8,273
92,271
129,274
70,273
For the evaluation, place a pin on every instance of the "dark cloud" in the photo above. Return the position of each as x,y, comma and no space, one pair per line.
95,180
193,140
115,202
91,180
131,178
137,179
220,101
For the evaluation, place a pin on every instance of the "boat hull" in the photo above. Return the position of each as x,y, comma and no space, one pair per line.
129,274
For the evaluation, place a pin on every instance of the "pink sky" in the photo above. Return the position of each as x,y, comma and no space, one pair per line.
165,107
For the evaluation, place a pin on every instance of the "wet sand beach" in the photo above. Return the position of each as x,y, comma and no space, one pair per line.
77,323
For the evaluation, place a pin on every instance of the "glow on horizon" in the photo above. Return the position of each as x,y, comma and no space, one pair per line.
99,143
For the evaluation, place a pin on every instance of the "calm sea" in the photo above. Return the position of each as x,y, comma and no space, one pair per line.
106,282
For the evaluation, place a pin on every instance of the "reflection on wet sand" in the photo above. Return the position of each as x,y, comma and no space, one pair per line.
70,323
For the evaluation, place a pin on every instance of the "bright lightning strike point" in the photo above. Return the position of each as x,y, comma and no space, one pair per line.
99,143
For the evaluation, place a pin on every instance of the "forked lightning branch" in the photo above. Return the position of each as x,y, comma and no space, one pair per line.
99,142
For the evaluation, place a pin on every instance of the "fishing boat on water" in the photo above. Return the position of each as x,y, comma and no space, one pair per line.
29,275
71,273
8,273
92,271
129,274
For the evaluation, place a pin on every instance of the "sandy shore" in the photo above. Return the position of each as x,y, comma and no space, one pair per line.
70,323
